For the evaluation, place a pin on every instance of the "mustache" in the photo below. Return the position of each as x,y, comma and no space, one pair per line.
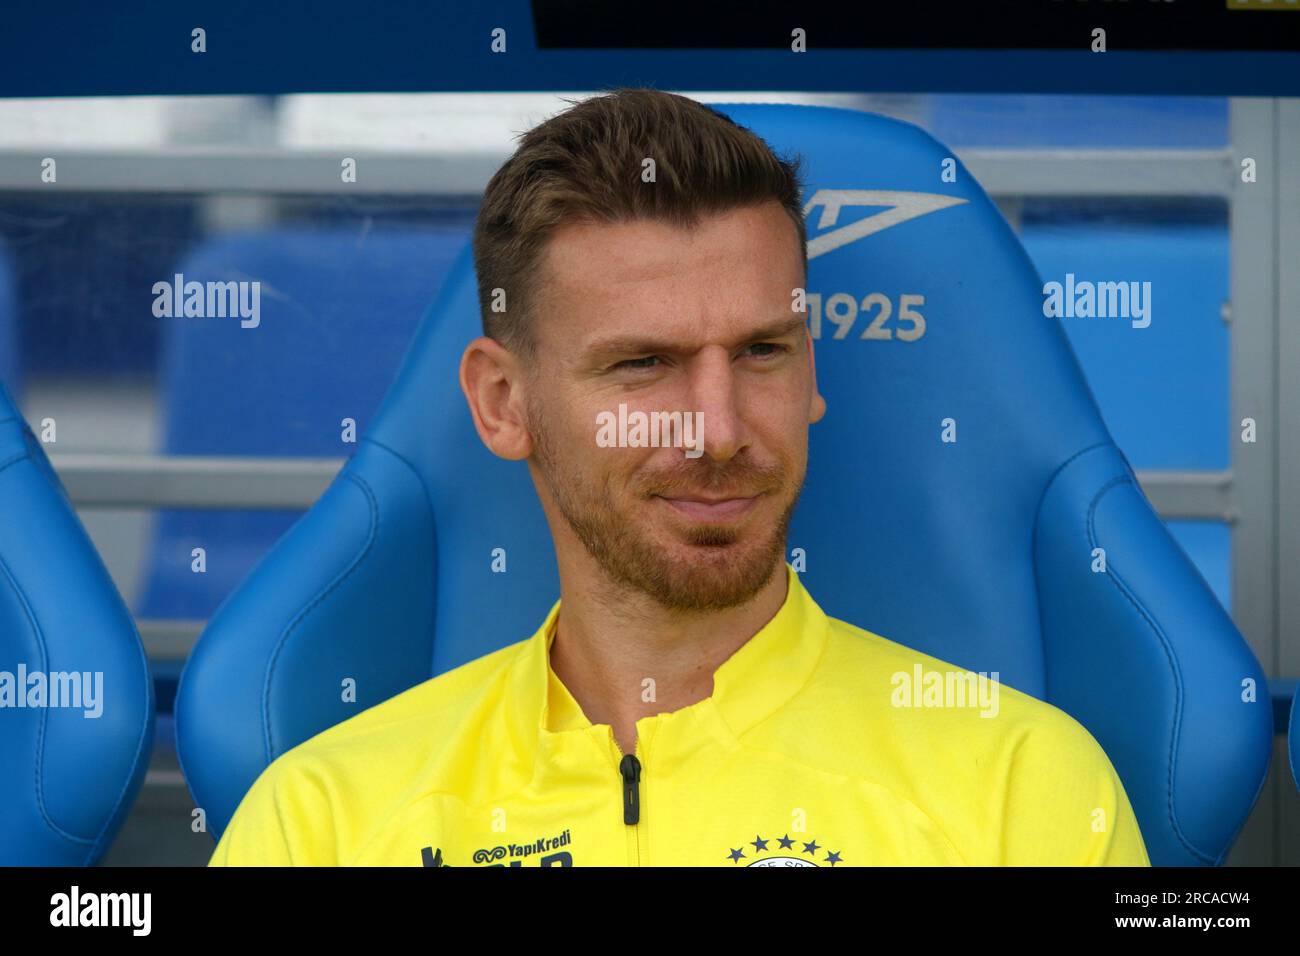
728,480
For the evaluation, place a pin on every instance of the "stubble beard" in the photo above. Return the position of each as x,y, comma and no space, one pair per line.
719,574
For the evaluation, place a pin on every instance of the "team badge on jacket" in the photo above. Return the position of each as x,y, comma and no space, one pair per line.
783,851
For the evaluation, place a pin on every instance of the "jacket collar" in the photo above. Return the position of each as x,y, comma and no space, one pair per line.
755,682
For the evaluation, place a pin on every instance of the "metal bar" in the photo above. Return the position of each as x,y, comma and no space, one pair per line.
1189,495
164,778
1288,437
169,639
1101,172
1002,172
1253,351
165,481
258,171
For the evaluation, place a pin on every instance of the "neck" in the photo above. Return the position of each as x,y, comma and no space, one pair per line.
610,641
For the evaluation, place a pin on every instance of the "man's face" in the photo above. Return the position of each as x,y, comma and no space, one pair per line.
662,319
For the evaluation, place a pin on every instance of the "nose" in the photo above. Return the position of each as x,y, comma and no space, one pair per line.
713,392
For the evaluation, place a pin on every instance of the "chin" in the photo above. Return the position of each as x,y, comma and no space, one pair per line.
704,589
718,575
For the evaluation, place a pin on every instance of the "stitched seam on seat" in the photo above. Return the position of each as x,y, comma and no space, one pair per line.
1047,487
433,524
140,752
21,456
1124,589
40,726
1034,563
93,842
326,592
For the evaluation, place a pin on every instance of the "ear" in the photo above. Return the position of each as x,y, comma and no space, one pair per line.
817,405
493,382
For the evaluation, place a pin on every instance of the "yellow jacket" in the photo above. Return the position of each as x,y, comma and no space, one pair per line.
822,744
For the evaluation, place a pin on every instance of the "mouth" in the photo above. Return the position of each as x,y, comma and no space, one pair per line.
710,510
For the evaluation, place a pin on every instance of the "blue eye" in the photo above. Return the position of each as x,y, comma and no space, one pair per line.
637,363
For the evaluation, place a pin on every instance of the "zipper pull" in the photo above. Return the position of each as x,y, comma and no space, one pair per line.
630,768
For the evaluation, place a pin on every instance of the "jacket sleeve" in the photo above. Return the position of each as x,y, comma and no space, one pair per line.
283,820
1064,803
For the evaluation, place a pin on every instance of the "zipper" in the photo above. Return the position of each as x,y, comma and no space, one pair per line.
629,770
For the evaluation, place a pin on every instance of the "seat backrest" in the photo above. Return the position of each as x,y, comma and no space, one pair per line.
958,490
71,772
336,310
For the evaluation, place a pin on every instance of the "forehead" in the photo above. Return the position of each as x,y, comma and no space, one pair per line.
733,268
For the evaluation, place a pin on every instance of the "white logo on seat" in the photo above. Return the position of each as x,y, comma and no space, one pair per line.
902,207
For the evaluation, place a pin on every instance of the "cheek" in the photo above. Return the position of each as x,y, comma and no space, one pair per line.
570,428
609,470
779,413
786,444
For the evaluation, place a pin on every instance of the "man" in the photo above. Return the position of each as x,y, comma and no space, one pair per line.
685,702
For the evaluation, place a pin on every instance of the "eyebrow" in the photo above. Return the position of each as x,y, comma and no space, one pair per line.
640,344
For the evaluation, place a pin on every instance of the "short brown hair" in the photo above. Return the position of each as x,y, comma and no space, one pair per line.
585,165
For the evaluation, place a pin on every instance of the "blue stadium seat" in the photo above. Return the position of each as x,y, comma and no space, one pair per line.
69,777
979,552
338,306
